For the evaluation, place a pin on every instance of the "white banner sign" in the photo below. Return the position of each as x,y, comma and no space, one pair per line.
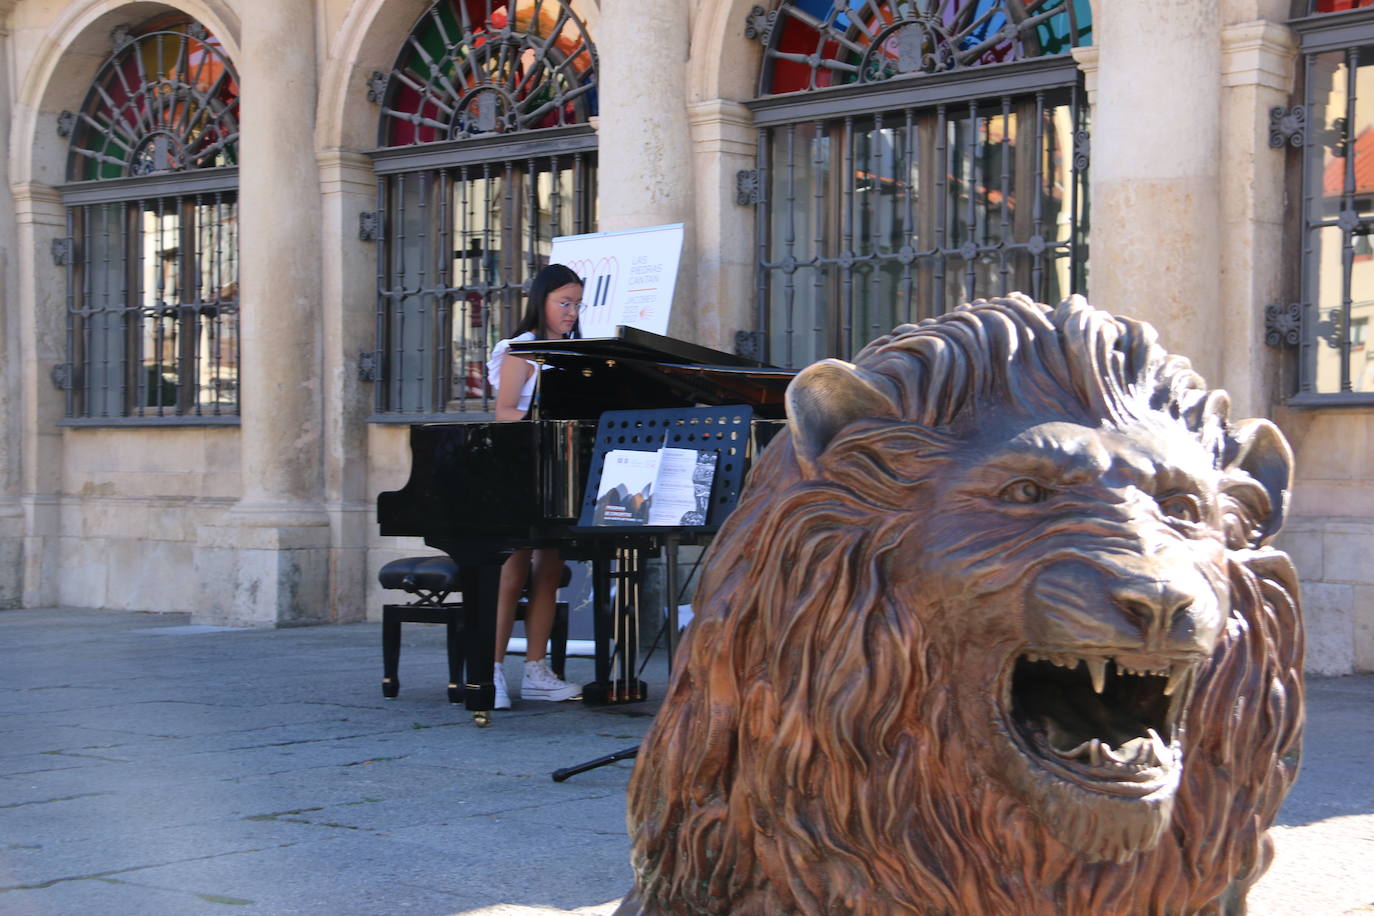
629,276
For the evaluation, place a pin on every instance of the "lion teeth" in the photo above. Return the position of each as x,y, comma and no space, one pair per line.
1078,751
1095,752
1136,751
1161,747
1097,667
1176,675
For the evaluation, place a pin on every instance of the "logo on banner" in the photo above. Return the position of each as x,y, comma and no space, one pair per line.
599,276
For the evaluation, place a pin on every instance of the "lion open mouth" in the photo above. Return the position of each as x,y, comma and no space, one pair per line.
1106,723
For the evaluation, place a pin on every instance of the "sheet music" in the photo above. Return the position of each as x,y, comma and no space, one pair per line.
668,487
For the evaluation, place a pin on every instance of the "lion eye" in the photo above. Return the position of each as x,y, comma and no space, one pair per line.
1183,506
1024,492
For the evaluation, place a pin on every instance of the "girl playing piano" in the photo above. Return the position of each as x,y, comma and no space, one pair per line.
555,300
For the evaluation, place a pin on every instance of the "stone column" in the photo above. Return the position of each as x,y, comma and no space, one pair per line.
1258,59
267,562
349,187
1155,170
11,508
723,144
1086,58
40,221
644,155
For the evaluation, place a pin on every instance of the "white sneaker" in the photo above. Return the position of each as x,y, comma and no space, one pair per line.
540,683
498,677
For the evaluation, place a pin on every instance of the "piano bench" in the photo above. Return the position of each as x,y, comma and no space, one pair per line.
431,580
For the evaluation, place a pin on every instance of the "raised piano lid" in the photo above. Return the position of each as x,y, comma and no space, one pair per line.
639,369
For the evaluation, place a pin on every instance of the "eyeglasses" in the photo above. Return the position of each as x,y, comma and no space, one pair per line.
576,304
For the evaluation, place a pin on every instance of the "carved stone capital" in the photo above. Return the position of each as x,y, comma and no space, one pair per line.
1259,53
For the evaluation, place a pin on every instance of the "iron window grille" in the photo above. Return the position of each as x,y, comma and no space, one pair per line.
486,155
1334,129
912,157
151,253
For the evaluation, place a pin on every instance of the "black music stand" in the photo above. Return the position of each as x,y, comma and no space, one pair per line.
720,431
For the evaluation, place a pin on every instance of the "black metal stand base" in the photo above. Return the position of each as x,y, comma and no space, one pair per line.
609,693
628,753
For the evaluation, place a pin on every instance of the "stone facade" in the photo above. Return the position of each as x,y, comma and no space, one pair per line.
271,522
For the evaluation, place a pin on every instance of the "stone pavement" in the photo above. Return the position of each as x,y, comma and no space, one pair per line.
150,767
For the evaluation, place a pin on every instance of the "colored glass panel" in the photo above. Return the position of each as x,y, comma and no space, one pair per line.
167,101
815,44
477,67
1339,6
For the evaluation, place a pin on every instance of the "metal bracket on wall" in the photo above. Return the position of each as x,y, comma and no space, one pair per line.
66,123
62,251
1287,126
758,24
370,226
121,36
747,187
1283,324
749,344
376,86
367,365
62,376
1082,149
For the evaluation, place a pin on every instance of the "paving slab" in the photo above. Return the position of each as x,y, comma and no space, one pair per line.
149,766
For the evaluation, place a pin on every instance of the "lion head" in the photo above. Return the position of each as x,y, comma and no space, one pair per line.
994,629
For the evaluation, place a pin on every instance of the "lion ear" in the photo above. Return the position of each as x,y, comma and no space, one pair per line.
1261,451
823,399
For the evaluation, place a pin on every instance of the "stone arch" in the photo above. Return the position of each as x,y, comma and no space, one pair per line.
368,40
724,63
74,47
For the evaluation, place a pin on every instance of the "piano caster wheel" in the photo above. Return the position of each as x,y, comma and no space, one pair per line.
481,718
390,688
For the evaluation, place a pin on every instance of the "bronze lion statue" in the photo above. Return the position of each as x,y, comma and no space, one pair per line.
994,629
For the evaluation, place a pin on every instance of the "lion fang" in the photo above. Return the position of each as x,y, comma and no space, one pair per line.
1097,667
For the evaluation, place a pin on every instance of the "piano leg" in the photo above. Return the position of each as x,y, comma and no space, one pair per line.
480,587
391,653
457,625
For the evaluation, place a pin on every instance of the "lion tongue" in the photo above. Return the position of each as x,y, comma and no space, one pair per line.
1143,751
1060,740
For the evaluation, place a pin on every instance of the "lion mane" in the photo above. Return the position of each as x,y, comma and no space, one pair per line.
825,744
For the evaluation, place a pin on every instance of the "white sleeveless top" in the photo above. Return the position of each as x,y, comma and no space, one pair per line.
498,356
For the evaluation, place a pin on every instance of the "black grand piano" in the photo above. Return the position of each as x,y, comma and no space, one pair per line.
477,489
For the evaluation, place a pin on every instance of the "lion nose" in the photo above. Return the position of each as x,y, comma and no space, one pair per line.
1160,609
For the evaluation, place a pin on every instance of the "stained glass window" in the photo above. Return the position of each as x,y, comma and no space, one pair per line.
152,260
486,157
476,67
815,44
877,206
167,101
1339,6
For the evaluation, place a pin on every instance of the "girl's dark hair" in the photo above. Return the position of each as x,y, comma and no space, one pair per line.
546,281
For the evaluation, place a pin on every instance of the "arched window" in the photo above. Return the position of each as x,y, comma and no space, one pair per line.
913,155
487,154
152,232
